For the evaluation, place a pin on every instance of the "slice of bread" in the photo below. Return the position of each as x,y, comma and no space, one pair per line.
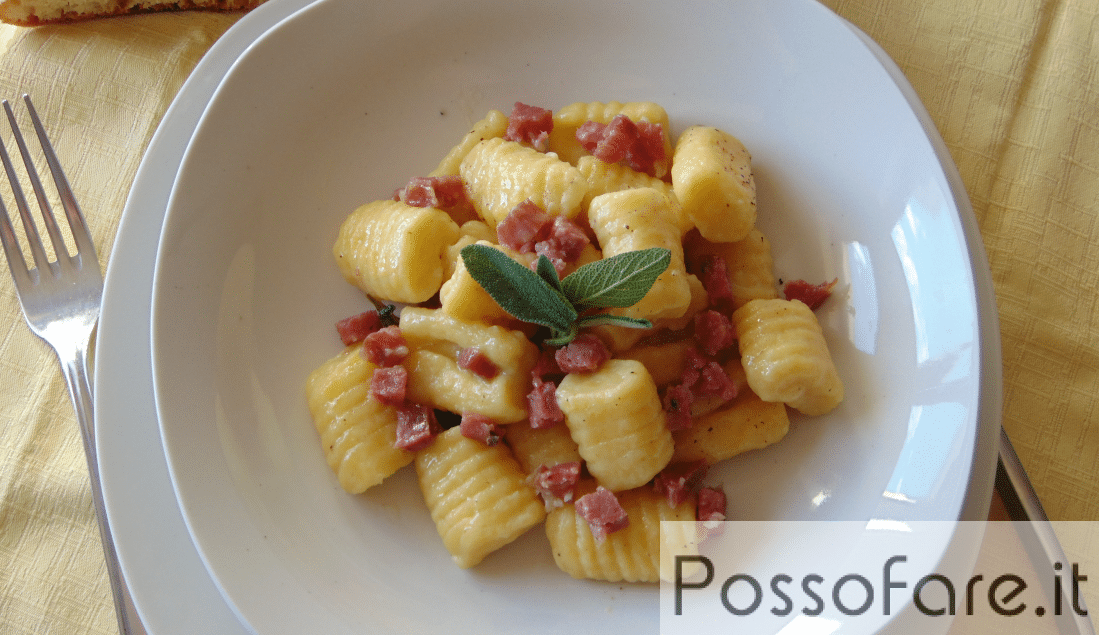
37,12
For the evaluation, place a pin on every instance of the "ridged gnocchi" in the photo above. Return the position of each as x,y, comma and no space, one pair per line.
712,176
356,430
501,174
785,356
749,264
534,447
492,126
463,298
635,219
605,177
477,496
615,416
435,378
630,555
394,251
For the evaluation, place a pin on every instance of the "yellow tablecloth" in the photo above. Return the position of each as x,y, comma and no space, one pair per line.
1012,87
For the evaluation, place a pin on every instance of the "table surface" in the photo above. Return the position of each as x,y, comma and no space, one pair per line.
1011,86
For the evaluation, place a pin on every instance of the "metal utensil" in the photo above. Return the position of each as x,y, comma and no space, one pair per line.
61,300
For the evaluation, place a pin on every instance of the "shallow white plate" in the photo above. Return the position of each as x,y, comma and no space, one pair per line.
343,102
171,589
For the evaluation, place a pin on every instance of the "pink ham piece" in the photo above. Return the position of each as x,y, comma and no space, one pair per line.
385,347
356,328
648,150
387,385
478,363
530,124
546,366
715,279
529,229
712,505
584,354
713,331
603,513
524,226
714,382
564,244
640,146
812,295
440,192
608,142
478,427
416,427
677,402
555,483
692,366
542,405
679,481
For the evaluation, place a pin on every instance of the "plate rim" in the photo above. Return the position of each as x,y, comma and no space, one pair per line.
117,419
983,459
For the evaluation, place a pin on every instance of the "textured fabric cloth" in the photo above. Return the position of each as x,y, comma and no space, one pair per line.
1012,87
101,89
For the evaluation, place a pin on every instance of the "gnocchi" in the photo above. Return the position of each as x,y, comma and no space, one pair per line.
511,422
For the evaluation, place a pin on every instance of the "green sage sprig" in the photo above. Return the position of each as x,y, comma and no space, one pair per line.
565,305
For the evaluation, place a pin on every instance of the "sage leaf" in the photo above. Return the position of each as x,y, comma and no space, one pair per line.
518,290
618,281
545,270
616,320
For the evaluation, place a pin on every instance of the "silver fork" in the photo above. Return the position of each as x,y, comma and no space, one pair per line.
61,300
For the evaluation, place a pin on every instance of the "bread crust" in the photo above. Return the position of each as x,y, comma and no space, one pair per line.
25,13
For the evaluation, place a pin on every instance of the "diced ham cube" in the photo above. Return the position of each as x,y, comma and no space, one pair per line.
812,295
612,140
648,150
356,328
555,483
418,193
385,347
568,238
388,385
564,244
713,331
524,226
679,481
693,365
479,428
639,145
416,427
478,363
542,405
711,506
715,279
544,248
714,382
584,354
589,134
603,513
677,402
546,365
450,191
432,191
530,124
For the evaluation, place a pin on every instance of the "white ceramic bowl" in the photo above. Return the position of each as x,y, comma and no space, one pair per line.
344,101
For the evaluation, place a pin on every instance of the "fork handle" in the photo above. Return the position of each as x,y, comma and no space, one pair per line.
75,369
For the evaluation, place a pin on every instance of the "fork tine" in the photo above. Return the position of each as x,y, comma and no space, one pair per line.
29,226
33,237
85,246
16,263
